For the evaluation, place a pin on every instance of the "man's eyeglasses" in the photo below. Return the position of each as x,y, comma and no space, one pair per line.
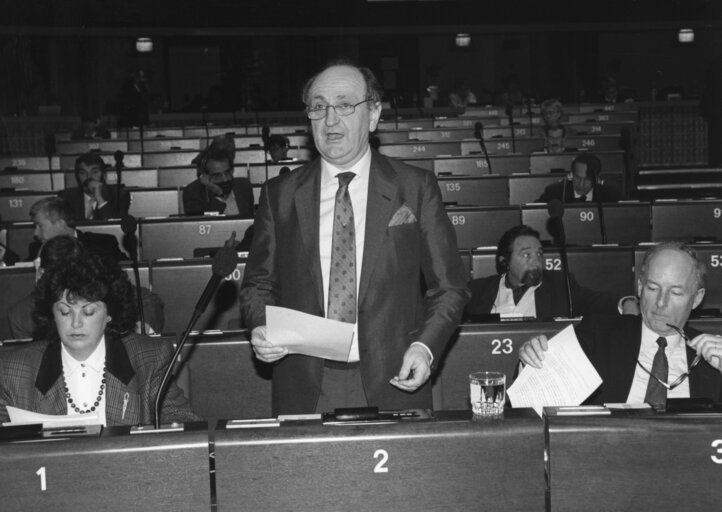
317,112
679,380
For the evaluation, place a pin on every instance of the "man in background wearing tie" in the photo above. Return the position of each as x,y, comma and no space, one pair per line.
582,184
349,236
93,199
651,357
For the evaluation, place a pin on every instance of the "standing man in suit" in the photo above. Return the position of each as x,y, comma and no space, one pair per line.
93,199
216,189
354,218
639,358
522,288
582,184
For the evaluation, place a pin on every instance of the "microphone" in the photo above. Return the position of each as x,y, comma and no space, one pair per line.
510,114
224,262
265,136
118,157
49,152
600,210
479,134
129,225
555,208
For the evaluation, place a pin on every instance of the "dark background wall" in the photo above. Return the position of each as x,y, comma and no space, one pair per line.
232,55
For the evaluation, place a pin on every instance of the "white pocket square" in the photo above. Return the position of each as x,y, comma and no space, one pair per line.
403,215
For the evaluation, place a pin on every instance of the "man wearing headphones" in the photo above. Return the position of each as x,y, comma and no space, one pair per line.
93,199
216,189
522,288
581,185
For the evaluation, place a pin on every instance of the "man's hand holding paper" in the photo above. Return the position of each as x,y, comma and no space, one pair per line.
557,373
291,332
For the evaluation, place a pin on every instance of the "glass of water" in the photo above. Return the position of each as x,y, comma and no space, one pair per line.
488,393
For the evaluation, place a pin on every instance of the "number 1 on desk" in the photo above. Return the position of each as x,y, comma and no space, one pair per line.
43,483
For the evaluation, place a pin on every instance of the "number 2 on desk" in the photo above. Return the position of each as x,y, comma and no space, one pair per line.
43,483
381,464
717,443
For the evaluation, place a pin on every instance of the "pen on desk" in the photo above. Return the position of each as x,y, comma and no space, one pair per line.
126,396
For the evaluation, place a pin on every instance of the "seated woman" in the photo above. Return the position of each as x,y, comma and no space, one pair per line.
90,360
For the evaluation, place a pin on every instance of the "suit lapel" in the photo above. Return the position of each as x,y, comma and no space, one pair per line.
379,209
49,382
306,200
628,341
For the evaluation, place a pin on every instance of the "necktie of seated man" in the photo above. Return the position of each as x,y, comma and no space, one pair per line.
656,392
342,278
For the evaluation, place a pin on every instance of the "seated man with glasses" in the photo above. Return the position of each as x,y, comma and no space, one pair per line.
582,184
655,356
216,190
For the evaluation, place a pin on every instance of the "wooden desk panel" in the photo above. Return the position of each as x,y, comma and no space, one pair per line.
163,472
634,462
456,464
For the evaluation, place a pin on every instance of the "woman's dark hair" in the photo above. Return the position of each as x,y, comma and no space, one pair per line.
91,277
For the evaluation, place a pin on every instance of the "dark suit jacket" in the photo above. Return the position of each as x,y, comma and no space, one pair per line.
111,210
197,199
550,297
612,345
31,377
99,243
603,193
284,269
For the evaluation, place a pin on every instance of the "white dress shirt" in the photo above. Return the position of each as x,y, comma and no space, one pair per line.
676,356
83,379
504,302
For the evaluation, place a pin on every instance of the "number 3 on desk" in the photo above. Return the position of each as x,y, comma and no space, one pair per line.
383,457
717,443
41,473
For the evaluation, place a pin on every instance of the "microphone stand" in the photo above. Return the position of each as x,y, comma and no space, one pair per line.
556,212
118,156
510,115
224,262
530,114
600,212
479,132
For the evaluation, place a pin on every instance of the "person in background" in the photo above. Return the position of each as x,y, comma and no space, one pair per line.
90,128
523,288
89,360
216,190
581,185
93,198
278,146
555,138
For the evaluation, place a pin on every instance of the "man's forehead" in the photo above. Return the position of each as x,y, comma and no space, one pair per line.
525,243
338,82
671,262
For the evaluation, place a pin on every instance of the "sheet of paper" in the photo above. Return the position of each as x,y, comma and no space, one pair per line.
24,417
567,377
310,335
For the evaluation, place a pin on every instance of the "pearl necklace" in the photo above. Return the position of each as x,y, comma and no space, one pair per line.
97,399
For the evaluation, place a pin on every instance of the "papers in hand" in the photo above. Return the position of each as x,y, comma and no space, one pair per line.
310,335
24,417
567,377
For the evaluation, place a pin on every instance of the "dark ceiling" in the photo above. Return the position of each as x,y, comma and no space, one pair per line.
208,15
